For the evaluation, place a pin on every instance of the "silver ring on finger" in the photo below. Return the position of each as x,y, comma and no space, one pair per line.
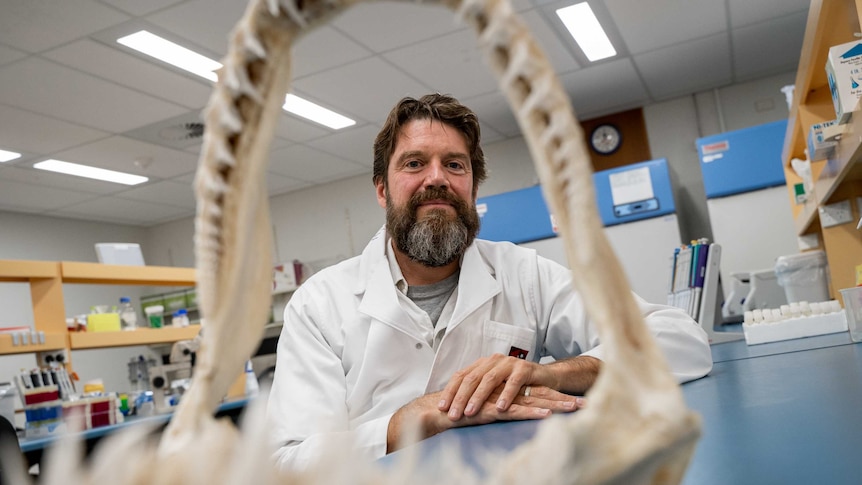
527,391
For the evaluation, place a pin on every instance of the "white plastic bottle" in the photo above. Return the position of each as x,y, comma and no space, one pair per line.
251,385
128,315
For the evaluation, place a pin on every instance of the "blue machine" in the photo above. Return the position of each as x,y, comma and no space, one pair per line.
749,208
637,209
743,160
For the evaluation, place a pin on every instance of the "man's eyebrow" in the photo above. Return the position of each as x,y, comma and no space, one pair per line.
420,154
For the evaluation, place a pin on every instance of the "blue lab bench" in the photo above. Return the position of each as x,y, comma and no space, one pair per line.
784,412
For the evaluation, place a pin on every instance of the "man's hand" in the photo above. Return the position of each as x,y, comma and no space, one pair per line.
423,412
472,387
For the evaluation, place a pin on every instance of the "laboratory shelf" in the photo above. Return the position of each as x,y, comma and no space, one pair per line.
96,273
139,336
24,271
53,341
839,178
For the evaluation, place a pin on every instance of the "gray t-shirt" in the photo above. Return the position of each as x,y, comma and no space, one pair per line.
432,298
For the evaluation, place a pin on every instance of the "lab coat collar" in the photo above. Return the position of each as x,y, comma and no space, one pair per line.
476,285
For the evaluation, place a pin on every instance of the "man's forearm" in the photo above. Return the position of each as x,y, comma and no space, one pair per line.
575,375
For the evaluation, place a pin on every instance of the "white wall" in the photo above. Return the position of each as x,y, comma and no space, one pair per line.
325,224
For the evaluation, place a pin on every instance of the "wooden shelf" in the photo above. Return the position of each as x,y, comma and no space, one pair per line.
96,273
140,336
53,341
24,271
830,23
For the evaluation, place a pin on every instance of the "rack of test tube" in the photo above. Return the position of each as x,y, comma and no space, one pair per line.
794,320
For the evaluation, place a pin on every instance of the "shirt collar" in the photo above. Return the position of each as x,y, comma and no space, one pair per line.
397,276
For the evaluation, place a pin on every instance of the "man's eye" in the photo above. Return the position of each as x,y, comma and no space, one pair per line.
412,164
456,165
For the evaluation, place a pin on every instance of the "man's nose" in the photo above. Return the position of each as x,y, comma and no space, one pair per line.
436,176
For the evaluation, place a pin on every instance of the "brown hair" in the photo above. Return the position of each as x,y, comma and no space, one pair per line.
436,107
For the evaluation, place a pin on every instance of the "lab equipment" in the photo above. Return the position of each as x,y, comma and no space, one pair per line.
853,308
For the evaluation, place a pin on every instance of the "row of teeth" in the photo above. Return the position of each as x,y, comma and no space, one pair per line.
793,310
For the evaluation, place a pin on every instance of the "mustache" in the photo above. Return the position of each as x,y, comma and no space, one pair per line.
436,193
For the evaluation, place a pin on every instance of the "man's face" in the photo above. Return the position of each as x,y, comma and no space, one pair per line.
428,194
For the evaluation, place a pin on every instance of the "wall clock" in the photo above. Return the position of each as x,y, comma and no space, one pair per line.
606,139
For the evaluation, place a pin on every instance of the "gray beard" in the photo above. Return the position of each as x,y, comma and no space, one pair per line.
436,240
439,238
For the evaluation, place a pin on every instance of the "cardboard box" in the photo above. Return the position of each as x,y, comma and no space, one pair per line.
821,142
844,74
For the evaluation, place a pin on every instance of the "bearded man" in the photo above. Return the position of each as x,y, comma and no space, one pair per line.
430,326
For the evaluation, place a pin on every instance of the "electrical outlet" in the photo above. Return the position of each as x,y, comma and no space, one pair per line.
835,214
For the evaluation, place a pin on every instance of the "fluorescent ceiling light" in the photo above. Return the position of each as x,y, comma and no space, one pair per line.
583,25
6,156
90,172
316,113
188,60
173,54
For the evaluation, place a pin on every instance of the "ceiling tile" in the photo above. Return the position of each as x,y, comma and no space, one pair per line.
207,23
18,195
124,211
8,54
546,26
138,8
389,25
760,51
50,89
650,24
37,25
449,64
116,65
165,192
279,184
308,164
370,88
747,12
354,144
40,134
28,175
493,110
701,71
132,156
324,48
295,129
605,88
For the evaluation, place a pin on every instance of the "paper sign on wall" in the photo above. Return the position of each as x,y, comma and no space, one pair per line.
631,186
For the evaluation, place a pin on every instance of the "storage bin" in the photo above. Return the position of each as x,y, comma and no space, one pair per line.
804,276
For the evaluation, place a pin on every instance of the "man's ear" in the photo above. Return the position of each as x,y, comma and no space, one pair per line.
380,185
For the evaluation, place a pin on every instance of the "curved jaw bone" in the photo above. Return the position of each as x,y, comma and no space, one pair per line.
636,430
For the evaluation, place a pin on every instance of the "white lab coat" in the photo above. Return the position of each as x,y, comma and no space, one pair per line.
349,355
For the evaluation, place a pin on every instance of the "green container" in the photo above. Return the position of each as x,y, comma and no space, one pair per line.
152,300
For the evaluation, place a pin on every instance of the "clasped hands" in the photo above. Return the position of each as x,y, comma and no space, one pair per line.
495,388
504,388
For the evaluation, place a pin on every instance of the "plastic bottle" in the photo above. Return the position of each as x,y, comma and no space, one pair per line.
128,315
180,318
251,385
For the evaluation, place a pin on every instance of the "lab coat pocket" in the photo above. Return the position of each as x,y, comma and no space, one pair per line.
507,339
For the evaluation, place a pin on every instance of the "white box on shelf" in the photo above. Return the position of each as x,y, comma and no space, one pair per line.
844,74
283,278
821,140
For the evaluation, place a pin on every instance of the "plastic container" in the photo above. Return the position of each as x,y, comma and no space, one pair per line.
128,315
180,318
804,276
155,316
853,307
